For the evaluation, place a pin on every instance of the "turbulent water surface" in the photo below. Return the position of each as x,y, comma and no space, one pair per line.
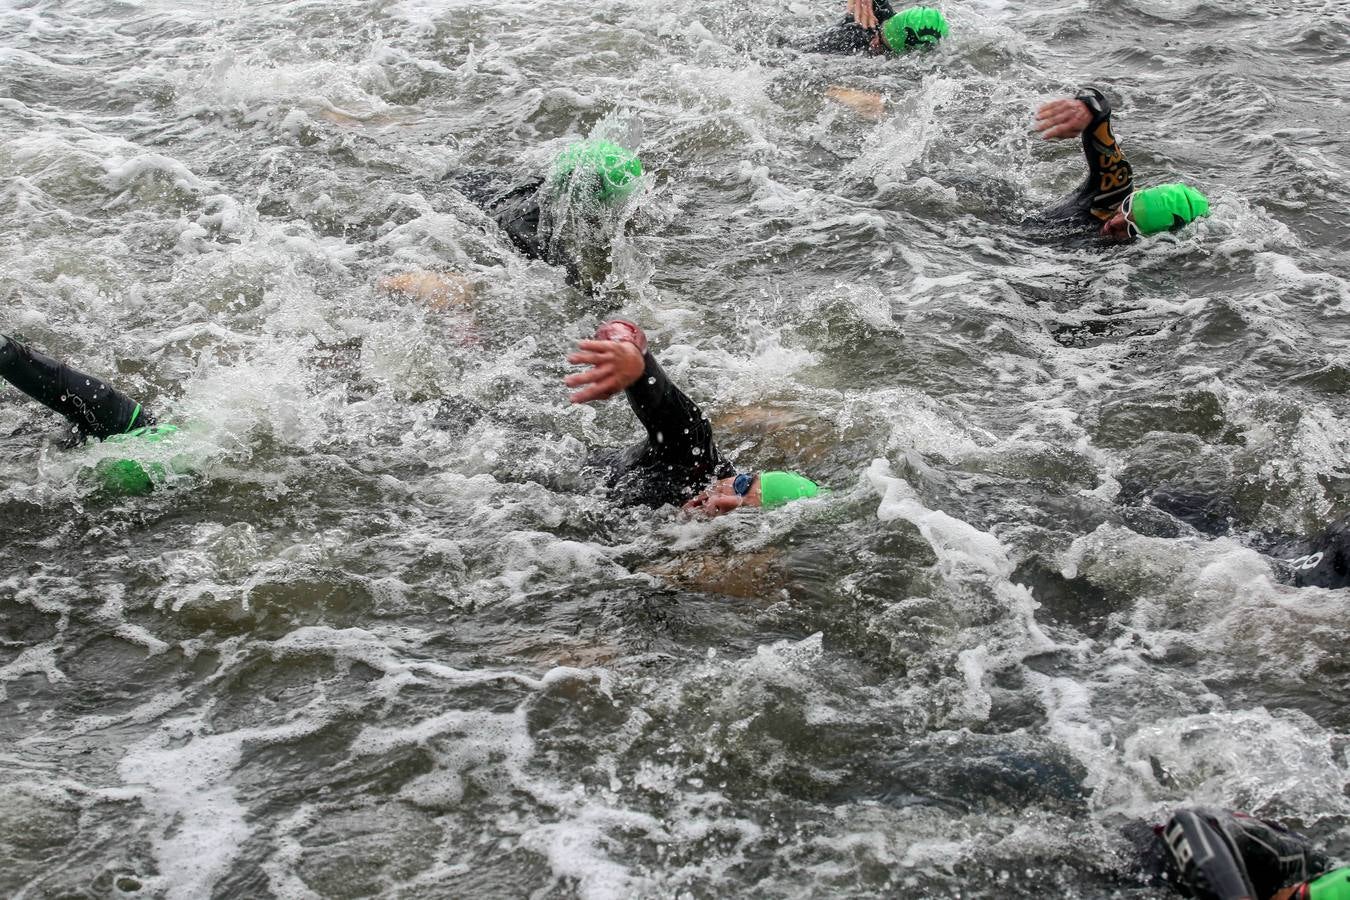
391,640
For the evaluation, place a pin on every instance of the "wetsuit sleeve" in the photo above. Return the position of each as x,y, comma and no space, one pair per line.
1110,178
678,457
92,406
1219,855
677,430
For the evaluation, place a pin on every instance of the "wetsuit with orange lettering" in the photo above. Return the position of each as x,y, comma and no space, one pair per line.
1109,180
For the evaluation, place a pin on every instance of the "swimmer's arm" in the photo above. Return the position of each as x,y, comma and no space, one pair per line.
674,423
1111,175
92,406
438,290
863,13
870,13
868,104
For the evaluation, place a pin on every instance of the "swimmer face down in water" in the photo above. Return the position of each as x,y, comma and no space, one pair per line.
679,462
1107,199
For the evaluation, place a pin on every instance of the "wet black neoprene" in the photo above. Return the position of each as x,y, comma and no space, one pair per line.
1214,854
516,209
848,36
679,457
93,408
1109,180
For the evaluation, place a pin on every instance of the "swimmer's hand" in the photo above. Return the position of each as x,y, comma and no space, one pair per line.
867,104
614,365
1062,119
722,498
862,13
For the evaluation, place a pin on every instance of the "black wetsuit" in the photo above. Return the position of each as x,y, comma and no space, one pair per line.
1109,180
94,409
679,457
1214,854
848,36
516,208
1322,562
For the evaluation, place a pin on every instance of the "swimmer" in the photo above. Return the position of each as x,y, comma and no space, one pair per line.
1107,200
874,27
95,411
679,458
1214,854
594,175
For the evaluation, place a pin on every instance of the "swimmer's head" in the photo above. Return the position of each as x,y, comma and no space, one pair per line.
125,477
615,171
766,489
916,27
1334,885
1166,207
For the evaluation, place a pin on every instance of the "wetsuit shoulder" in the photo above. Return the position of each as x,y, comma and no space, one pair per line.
517,211
1110,178
679,456
848,36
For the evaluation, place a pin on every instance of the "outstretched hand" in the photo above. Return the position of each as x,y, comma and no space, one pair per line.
1062,119
614,365
862,13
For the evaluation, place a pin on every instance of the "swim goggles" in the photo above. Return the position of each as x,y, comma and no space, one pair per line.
1128,209
743,483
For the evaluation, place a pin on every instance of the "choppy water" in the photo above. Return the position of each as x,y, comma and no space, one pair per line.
394,643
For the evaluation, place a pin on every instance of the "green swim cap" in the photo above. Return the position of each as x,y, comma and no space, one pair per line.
918,26
1335,885
777,488
618,169
1166,207
127,477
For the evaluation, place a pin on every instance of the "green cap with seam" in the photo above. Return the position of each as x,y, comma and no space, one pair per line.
777,488
129,477
918,26
1166,207
618,169
1335,885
